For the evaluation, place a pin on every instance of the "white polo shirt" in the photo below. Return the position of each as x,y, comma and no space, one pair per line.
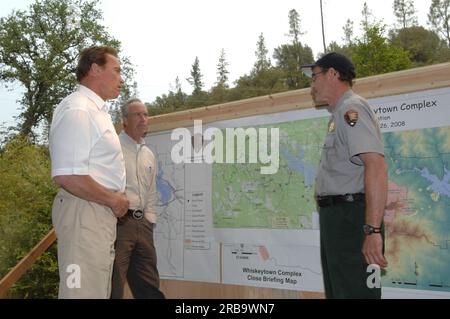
83,140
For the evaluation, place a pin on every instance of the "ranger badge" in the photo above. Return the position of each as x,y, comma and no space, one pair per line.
351,117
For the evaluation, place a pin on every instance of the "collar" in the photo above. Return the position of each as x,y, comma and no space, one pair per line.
129,142
342,99
98,101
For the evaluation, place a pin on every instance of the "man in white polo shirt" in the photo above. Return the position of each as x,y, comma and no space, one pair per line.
87,163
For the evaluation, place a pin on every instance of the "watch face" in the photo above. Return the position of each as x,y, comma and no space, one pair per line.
368,229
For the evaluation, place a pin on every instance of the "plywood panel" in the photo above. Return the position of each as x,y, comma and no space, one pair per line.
174,289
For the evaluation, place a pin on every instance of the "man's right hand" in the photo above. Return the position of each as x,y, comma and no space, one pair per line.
120,204
85,187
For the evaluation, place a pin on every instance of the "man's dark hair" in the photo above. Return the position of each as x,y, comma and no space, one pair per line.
90,56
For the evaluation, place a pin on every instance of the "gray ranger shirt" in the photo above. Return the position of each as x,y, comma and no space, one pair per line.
353,129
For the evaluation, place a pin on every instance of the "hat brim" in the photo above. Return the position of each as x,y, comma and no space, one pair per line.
307,69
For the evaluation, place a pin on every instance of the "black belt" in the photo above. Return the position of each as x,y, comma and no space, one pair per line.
330,200
136,214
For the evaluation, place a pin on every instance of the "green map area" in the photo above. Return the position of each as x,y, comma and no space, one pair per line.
418,211
244,198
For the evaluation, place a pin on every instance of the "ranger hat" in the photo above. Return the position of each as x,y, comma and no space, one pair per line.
333,60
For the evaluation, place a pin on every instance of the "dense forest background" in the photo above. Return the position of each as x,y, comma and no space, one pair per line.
39,49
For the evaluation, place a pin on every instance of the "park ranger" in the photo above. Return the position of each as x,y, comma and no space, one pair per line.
351,184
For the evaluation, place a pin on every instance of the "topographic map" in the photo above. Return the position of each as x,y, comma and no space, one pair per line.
418,210
244,198
170,209
229,223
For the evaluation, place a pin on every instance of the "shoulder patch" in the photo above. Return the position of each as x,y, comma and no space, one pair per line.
351,117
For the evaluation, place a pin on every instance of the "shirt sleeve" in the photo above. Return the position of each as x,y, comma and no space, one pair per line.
364,137
70,144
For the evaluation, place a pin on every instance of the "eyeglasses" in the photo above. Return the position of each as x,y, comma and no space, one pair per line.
314,75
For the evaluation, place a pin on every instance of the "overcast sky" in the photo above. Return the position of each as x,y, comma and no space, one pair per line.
162,38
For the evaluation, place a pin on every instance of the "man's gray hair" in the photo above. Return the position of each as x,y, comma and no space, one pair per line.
125,107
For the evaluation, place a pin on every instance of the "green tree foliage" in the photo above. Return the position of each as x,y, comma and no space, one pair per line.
289,57
172,102
374,55
373,52
264,82
439,18
346,50
348,32
27,193
367,17
198,99
179,96
222,71
39,48
425,46
264,79
218,95
262,62
349,41
294,26
405,13
196,78
219,92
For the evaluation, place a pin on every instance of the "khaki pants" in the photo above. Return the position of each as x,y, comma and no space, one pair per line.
86,233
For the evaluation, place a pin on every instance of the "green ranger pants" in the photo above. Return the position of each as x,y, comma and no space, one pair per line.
344,268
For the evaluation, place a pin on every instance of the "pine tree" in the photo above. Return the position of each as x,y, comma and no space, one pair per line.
196,77
289,57
405,12
178,88
262,63
348,32
294,26
367,17
222,71
439,18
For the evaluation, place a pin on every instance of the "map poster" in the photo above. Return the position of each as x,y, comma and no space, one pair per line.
262,230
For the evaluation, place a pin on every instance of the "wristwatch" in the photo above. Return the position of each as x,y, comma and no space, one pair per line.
369,229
